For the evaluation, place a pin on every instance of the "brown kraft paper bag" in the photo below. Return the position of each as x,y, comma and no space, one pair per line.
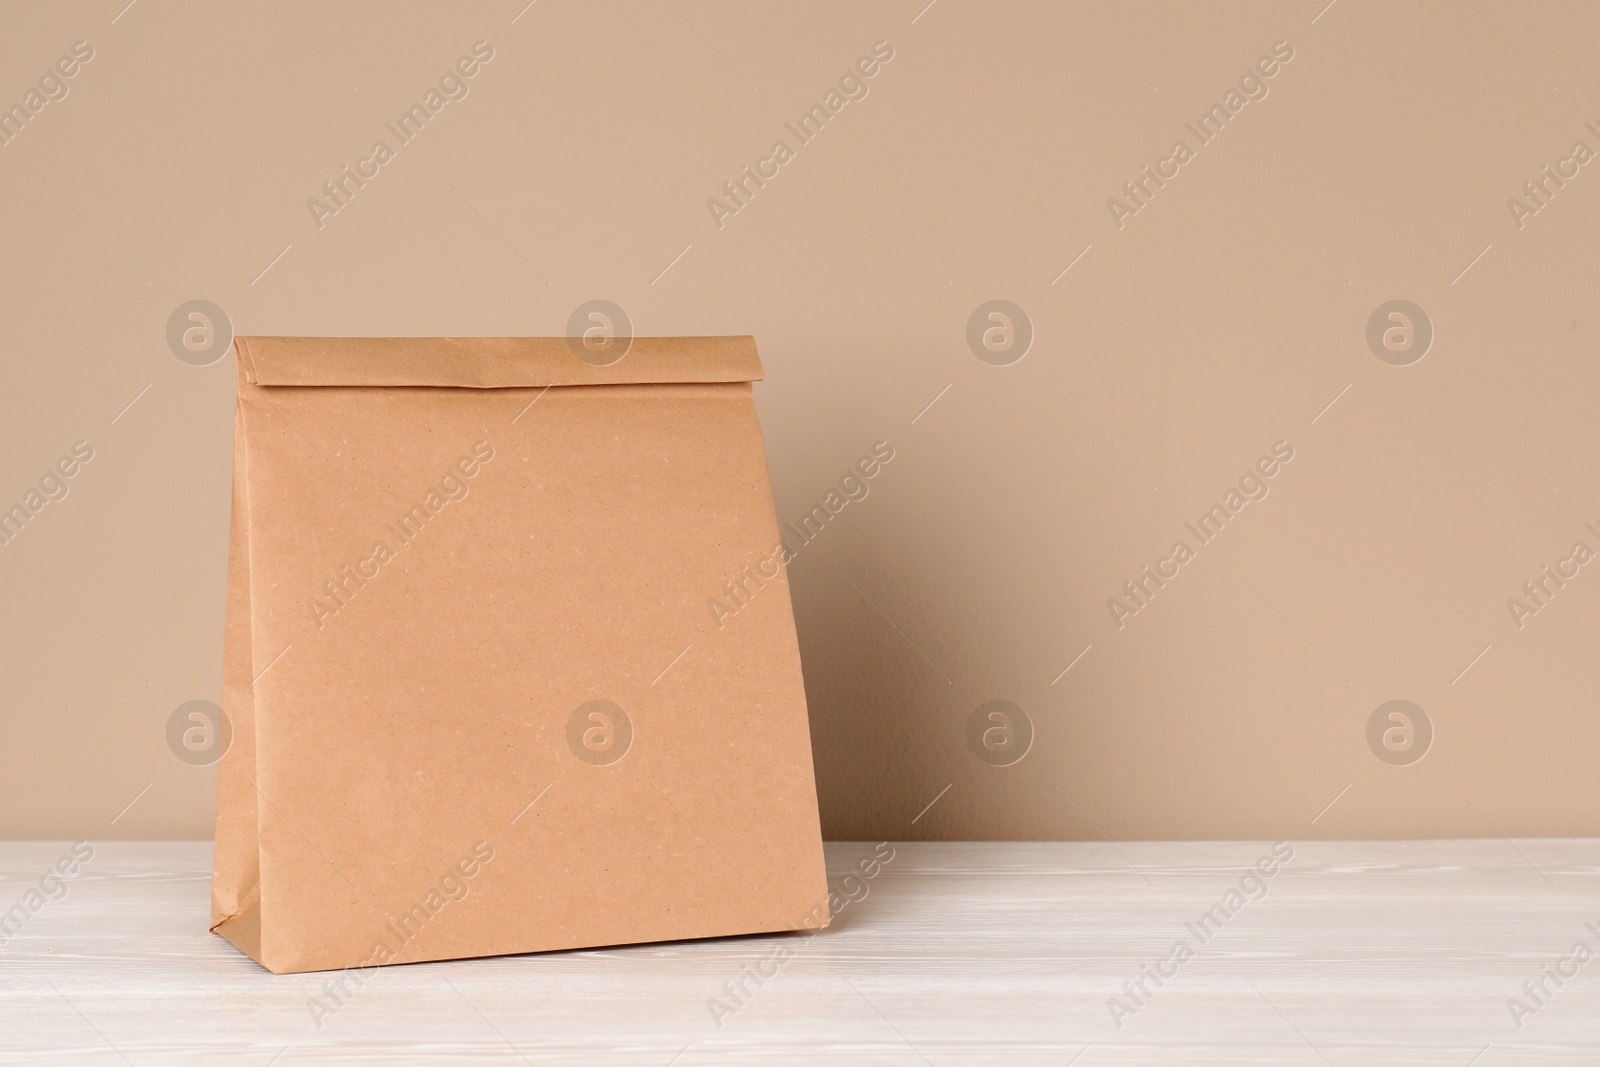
510,661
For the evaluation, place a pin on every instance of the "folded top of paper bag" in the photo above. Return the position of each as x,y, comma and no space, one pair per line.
494,362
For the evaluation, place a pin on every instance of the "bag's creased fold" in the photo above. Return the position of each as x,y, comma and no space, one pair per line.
489,362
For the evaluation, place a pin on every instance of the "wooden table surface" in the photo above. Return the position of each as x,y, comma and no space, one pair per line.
957,953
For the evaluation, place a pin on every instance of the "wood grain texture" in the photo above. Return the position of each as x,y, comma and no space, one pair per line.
958,953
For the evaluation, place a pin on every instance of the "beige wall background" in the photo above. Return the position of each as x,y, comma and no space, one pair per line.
1169,353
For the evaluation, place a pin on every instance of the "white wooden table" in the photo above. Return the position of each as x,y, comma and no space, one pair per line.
959,953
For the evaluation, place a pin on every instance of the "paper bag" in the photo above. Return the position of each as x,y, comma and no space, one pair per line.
510,661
